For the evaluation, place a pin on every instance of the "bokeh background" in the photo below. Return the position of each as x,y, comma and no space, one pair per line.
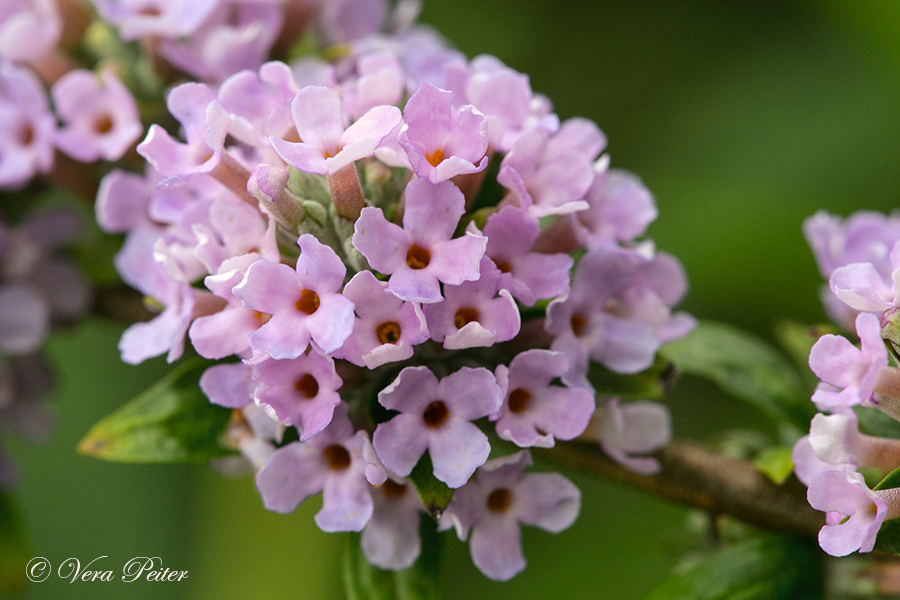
743,118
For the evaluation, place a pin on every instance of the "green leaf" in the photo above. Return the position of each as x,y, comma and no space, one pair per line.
891,480
771,567
171,422
797,340
888,539
745,366
362,581
14,554
435,494
775,463
875,422
649,384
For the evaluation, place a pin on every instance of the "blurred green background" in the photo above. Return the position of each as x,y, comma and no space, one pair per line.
742,117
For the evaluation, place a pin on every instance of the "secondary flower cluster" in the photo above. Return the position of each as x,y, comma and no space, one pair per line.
387,245
39,287
861,259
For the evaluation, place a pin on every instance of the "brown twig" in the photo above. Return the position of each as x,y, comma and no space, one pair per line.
700,478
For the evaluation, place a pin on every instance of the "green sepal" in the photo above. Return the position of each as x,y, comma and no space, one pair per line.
649,384
172,421
747,367
14,552
309,186
770,567
362,581
435,494
775,463
382,185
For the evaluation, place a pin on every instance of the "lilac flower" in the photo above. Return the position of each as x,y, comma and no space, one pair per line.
230,385
204,129
472,314
421,255
839,364
234,228
253,433
165,18
101,121
844,494
328,144
861,287
259,103
549,173
305,305
30,259
619,308
235,36
504,96
330,462
440,140
497,499
534,412
807,465
836,440
435,416
227,331
864,237
164,333
122,201
24,319
385,329
347,20
619,209
29,29
391,537
511,233
379,80
635,428
27,127
300,391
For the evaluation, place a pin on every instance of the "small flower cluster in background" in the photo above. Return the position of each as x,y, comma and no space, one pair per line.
860,257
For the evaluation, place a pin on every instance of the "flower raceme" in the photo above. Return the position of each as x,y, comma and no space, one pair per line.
335,230
860,257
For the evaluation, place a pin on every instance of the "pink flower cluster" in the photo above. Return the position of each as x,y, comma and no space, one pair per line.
331,227
861,259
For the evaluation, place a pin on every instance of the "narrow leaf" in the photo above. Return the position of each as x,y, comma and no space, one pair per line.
171,422
771,567
745,366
